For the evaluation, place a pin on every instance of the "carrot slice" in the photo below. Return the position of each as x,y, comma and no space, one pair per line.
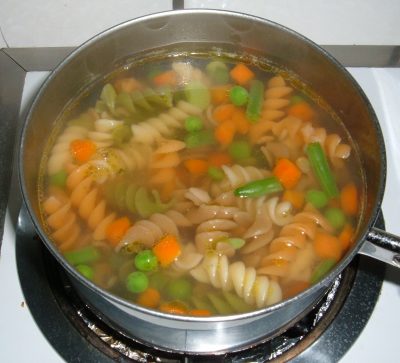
225,132
167,78
346,237
116,230
295,288
287,172
196,166
199,312
167,250
327,246
241,74
127,85
302,110
149,298
240,120
82,150
223,112
219,158
220,94
173,307
295,197
349,199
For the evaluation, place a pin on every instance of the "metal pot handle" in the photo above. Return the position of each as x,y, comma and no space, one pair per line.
382,246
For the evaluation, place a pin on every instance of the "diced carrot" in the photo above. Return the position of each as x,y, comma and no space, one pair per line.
116,230
223,112
167,250
220,94
219,158
149,298
167,78
294,288
287,172
301,110
349,199
174,307
295,197
225,132
82,150
327,246
167,190
241,74
183,175
240,120
346,237
196,166
199,312
127,85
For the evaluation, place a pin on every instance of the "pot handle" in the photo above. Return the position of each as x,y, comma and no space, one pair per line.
382,246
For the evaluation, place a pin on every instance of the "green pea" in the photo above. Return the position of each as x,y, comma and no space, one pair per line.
146,260
59,179
336,217
86,271
179,289
193,123
238,95
158,280
137,282
199,138
239,150
215,173
317,198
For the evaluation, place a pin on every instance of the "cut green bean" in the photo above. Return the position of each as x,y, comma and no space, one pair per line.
59,179
321,270
321,169
218,72
121,134
255,102
259,188
83,256
199,138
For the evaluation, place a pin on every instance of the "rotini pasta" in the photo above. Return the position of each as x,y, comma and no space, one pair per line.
275,99
255,290
60,154
102,134
164,125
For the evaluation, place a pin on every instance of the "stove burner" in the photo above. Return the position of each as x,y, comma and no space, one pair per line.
323,334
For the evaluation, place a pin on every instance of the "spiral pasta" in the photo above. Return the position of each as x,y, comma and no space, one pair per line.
87,198
102,134
62,220
254,289
165,124
186,72
275,99
60,154
188,259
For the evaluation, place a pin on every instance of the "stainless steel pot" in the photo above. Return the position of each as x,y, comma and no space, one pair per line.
220,31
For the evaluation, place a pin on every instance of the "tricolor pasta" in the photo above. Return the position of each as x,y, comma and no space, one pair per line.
202,186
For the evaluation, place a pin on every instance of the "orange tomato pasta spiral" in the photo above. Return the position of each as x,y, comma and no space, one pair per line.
86,197
276,97
256,290
62,220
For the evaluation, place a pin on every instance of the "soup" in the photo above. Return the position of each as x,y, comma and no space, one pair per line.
201,186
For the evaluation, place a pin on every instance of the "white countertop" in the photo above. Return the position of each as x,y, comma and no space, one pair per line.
44,23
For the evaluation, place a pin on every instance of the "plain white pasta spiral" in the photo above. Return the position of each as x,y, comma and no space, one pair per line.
259,291
102,134
186,72
85,196
60,154
165,124
188,259
280,212
198,196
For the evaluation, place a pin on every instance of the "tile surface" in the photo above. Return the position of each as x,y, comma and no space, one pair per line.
46,23
362,22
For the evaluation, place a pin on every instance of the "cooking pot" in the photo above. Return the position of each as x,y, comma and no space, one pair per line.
220,32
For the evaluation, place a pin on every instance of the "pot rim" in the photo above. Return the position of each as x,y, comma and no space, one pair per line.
255,313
